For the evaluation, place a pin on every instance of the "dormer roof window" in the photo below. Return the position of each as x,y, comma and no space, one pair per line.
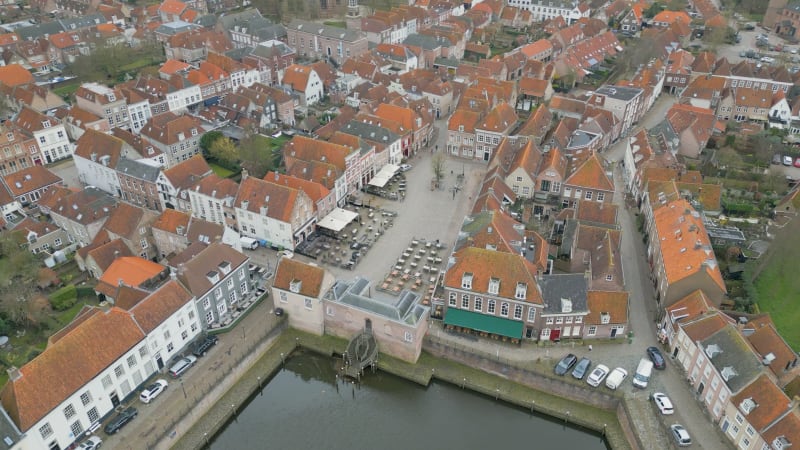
494,286
748,405
466,281
713,350
728,373
295,285
213,276
521,292
566,305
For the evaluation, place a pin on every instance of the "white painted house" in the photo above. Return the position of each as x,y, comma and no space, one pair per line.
82,376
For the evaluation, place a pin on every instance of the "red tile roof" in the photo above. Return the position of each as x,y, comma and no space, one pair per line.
591,175
131,270
15,75
292,270
30,179
768,399
484,265
613,303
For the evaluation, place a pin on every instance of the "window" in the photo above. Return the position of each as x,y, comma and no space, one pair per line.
307,303
221,308
465,301
94,416
57,242
739,418
166,335
478,304
46,431
556,187
559,320
209,316
521,291
243,288
605,318
490,306
588,195
330,311
466,281
504,309
531,314
230,283
283,297
609,277
518,311
549,320
119,371
568,319
206,303
86,398
232,296
143,243
408,337
452,299
69,411
601,196
76,428
592,330
170,347
131,361
107,381
494,286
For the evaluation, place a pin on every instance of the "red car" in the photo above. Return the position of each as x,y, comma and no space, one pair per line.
797,162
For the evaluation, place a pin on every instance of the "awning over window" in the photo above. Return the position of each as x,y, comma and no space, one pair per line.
482,322
337,219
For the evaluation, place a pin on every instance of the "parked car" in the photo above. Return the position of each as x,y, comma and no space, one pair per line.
286,254
405,167
776,159
768,59
616,377
121,420
643,372
565,364
182,365
680,434
663,403
93,443
797,162
152,391
787,160
597,376
202,347
581,368
658,359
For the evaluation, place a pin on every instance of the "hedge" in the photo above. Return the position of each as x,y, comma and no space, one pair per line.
64,298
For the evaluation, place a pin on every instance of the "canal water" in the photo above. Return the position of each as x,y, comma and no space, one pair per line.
304,407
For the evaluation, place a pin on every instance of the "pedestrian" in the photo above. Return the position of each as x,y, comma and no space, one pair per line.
590,347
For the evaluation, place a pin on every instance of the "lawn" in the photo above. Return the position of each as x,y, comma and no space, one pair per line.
67,89
221,171
777,284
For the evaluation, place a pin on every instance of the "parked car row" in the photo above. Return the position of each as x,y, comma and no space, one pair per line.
786,160
613,378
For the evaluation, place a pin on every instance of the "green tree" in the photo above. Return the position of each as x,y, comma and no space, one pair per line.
258,155
437,165
207,139
654,9
224,151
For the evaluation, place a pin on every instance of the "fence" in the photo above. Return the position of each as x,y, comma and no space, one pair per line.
196,394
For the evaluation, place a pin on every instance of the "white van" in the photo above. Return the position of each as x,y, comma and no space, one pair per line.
616,377
643,372
248,242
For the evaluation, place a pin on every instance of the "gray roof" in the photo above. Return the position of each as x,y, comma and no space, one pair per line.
252,23
619,92
8,430
40,30
138,170
228,20
405,308
426,42
325,30
89,20
268,48
173,28
446,62
568,237
558,288
369,132
207,21
725,232
731,352
581,138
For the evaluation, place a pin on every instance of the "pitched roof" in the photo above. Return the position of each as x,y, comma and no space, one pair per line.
536,48
613,303
266,198
766,340
316,191
15,75
297,76
672,16
105,254
124,220
501,118
684,243
596,212
195,271
466,118
690,307
186,173
785,431
30,179
130,270
291,271
590,174
169,128
82,353
154,309
702,328
484,265
171,219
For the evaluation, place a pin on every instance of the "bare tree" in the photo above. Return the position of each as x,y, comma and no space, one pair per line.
437,164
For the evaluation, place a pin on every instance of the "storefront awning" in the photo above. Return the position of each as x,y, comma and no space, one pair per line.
382,177
482,322
337,219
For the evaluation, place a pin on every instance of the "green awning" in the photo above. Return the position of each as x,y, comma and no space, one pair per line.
482,322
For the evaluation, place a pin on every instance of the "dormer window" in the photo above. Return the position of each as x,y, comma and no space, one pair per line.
521,291
295,285
728,373
213,277
466,281
780,443
494,286
46,123
713,350
748,405
605,318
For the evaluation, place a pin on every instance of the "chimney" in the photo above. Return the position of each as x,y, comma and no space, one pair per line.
116,254
14,374
173,274
245,174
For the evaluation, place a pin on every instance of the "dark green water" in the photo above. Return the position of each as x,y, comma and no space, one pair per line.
301,408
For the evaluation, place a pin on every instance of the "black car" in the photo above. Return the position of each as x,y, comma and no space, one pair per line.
565,364
121,420
202,347
657,358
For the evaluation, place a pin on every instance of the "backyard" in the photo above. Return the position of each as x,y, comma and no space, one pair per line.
777,285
